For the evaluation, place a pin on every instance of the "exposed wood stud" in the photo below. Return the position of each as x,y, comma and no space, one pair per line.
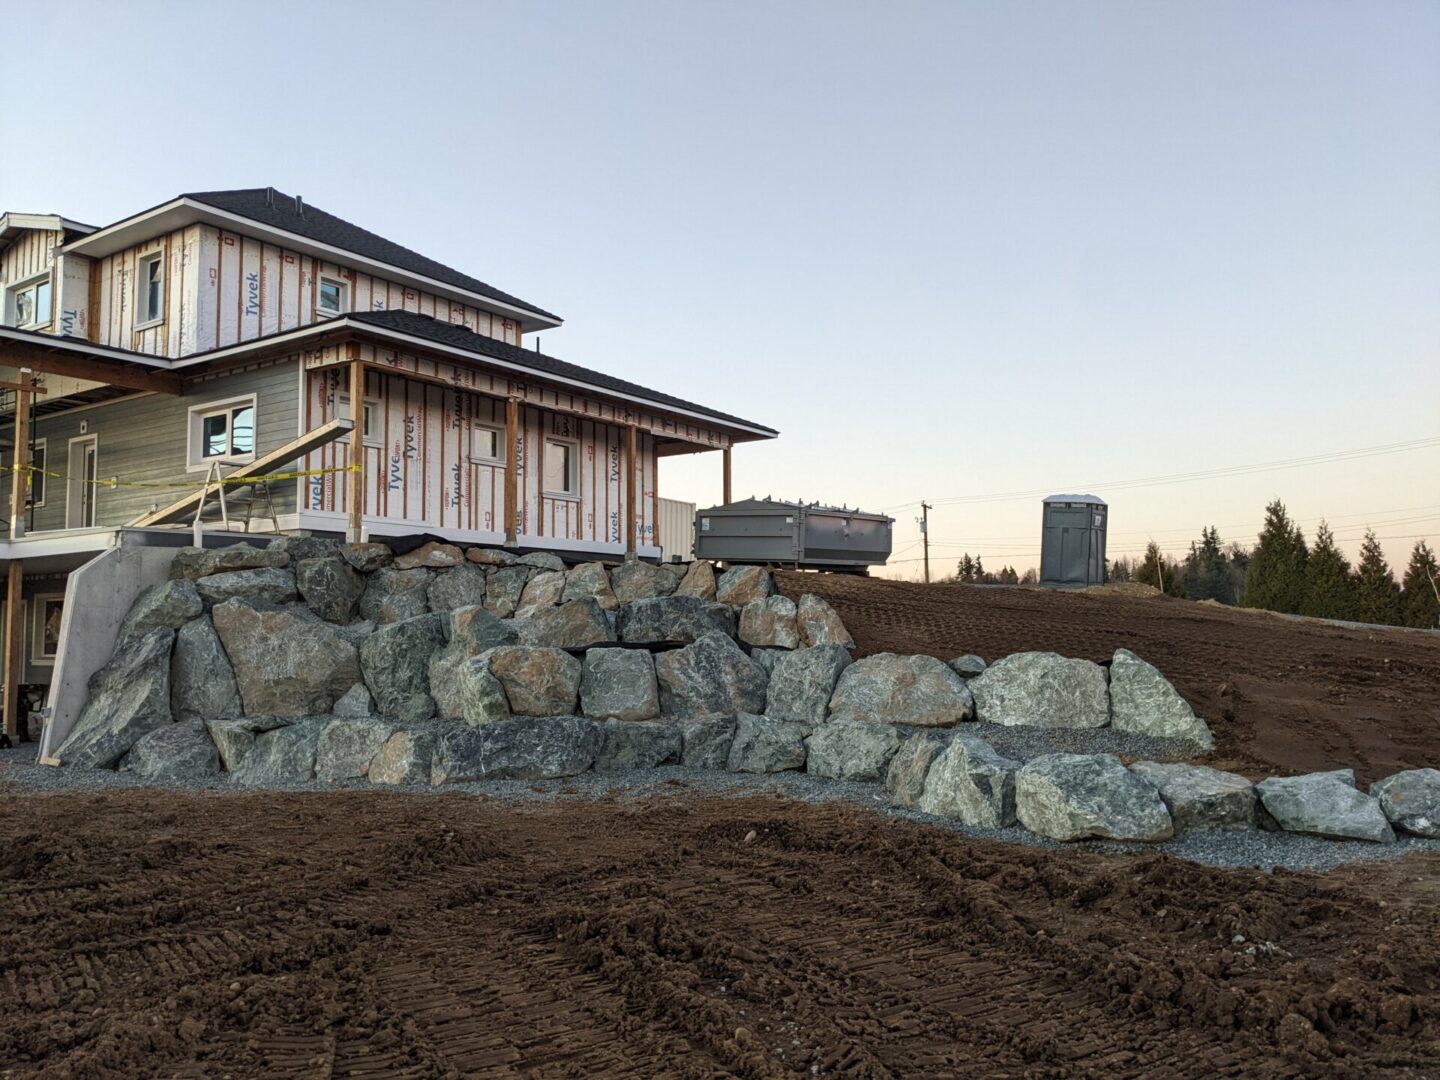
725,493
356,476
630,494
512,468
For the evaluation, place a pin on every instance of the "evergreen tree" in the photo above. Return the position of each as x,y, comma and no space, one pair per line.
1160,572
1419,602
965,571
1377,597
1207,571
1276,578
1329,588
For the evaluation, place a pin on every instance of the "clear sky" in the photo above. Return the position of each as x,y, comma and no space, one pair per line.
948,249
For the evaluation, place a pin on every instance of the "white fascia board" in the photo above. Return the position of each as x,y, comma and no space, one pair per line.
83,348
178,213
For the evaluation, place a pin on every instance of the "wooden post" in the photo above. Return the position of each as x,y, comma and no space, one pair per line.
355,533
725,483
14,645
20,478
630,501
512,471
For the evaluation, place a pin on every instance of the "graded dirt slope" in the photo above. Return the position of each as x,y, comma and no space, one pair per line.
372,934
1281,695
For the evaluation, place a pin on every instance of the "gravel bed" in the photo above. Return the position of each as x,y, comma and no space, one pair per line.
1261,850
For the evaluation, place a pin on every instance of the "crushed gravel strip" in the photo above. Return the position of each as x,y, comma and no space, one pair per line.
19,773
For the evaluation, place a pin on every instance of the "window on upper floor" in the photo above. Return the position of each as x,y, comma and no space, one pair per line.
222,431
332,297
487,444
149,290
29,303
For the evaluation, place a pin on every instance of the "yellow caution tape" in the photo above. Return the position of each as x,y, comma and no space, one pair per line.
190,486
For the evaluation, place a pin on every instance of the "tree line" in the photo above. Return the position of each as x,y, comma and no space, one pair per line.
1284,573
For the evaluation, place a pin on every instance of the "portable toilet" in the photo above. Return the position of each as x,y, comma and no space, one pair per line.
1072,543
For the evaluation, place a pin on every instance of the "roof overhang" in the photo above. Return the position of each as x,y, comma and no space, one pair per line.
12,225
182,212
82,360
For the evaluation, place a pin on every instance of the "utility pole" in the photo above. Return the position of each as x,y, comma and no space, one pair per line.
925,536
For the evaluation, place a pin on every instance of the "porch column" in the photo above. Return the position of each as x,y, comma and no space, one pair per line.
725,477
14,645
20,477
512,471
356,497
630,502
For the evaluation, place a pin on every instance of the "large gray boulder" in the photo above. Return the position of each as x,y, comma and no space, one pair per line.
590,579
672,620
637,744
1142,701
706,742
1201,799
330,587
576,624
1042,689
905,778
803,681
285,755
1411,800
171,604
522,748
395,661
129,697
346,747
193,563
711,677
538,681
969,782
432,556
1075,796
491,557
819,624
404,759
202,682
1325,804
619,683
235,738
459,586
542,560
174,753
269,584
915,690
463,688
741,584
392,595
367,558
503,589
541,593
850,749
769,622
699,581
287,662
763,745
637,580
300,548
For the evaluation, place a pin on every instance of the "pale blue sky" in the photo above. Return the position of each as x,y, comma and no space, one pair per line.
948,249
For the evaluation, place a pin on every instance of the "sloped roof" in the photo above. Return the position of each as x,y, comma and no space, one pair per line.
280,211
444,333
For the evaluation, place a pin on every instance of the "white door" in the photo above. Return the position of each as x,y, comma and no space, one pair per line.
81,487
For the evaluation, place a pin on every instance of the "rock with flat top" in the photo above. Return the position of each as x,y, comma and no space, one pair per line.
917,691
1201,799
619,684
491,557
576,624
367,558
432,556
850,750
1325,804
522,748
1076,796
1042,689
763,745
542,560
969,782
459,586
637,580
393,595
287,662
195,563
769,623
741,584
269,584
538,681
637,744
1143,702
1411,800
670,620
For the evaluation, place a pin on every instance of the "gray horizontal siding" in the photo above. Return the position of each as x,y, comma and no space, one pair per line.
145,439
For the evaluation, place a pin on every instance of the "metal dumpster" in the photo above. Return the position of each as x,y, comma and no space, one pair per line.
805,535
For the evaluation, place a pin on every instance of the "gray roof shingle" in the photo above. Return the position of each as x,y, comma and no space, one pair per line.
278,210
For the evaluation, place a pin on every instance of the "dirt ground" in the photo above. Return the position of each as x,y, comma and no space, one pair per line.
373,934
1281,695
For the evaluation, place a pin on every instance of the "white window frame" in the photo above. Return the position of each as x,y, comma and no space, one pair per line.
75,484
195,459
41,447
37,629
343,286
142,291
368,416
483,459
574,471
12,301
